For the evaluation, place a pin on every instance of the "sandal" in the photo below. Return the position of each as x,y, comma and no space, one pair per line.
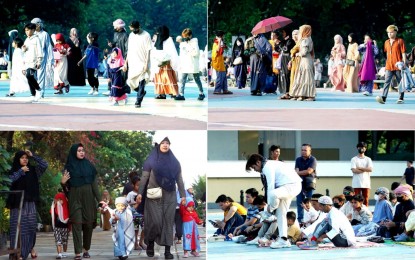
178,241
33,256
78,257
285,96
86,255
310,99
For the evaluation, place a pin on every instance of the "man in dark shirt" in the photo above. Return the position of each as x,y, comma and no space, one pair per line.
305,166
409,174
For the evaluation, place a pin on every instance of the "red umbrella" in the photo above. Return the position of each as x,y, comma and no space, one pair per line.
271,24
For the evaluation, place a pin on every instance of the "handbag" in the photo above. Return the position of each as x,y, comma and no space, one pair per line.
309,183
350,62
154,193
238,61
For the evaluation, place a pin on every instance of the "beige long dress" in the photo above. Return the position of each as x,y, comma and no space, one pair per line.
351,73
304,86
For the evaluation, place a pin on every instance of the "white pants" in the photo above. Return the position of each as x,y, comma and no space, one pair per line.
281,200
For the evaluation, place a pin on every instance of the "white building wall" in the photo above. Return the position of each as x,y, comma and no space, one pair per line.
223,144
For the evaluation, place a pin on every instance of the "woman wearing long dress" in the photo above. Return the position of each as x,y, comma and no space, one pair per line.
367,72
76,74
339,54
240,69
304,87
351,68
18,81
295,62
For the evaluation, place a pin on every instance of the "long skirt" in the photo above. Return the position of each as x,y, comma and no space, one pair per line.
165,81
190,236
27,228
61,72
240,75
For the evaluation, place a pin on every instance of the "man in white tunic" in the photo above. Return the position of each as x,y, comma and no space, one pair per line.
45,72
282,185
138,60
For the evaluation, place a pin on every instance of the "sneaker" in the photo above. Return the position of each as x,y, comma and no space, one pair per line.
201,97
380,100
37,96
308,245
91,92
95,93
367,93
402,238
10,95
194,253
399,101
64,255
179,98
239,239
253,241
137,104
186,255
59,256
216,237
106,93
280,243
67,88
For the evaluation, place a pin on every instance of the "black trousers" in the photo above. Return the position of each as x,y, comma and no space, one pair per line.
141,93
179,224
92,80
31,79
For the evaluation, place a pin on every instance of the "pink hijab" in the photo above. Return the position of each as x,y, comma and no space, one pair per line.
118,61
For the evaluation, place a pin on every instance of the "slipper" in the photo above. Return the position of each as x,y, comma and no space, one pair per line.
33,256
78,257
143,247
217,93
86,255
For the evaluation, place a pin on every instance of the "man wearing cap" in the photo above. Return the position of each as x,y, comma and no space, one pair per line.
282,186
383,208
120,40
336,227
395,52
362,167
218,64
397,225
45,72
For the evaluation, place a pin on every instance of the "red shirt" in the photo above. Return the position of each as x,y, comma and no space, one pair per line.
393,53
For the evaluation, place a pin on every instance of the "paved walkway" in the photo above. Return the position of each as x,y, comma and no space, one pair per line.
102,247
232,250
331,110
80,111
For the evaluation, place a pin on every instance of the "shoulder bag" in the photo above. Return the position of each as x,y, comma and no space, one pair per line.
237,61
154,193
350,62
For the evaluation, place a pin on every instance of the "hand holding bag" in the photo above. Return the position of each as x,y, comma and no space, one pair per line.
154,193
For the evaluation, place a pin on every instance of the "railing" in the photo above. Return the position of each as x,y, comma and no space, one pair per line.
14,252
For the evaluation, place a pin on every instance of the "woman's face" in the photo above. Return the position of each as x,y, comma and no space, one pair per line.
164,147
114,54
349,38
80,153
24,160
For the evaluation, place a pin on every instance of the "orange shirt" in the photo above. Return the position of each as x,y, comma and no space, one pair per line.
393,53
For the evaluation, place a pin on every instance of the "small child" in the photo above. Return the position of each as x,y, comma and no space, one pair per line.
138,214
91,56
60,216
190,233
122,221
310,214
294,231
61,50
115,77
18,81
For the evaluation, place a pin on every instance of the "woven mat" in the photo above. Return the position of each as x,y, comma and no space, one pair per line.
411,244
364,244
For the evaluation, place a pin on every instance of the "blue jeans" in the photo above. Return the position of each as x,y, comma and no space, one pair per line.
235,221
300,197
196,76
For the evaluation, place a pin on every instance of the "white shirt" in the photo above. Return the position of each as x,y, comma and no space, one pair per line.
308,231
279,174
33,55
310,216
139,46
347,208
340,225
361,180
189,56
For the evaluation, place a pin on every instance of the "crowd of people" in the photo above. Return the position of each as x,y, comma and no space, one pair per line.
341,219
140,218
43,61
288,64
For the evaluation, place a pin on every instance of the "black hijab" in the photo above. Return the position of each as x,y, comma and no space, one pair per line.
29,182
82,171
13,35
163,33
239,48
165,167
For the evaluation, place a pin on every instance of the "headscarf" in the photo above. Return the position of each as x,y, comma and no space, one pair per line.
190,204
119,23
367,71
38,21
60,37
403,189
121,200
384,191
337,36
82,171
163,33
236,47
61,210
74,36
305,32
118,61
165,167
29,182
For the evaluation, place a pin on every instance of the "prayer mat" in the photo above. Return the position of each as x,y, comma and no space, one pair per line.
364,244
411,244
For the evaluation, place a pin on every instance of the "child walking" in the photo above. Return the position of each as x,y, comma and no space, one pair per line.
138,214
122,221
33,57
115,77
60,217
61,51
18,81
91,56
190,233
